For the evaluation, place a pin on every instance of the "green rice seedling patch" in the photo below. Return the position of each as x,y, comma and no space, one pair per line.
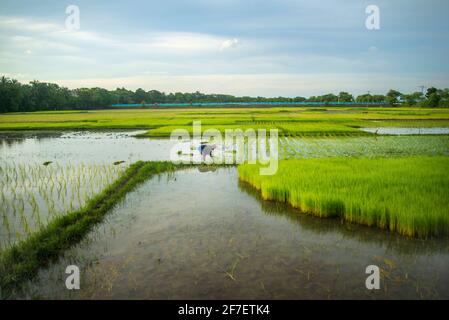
404,195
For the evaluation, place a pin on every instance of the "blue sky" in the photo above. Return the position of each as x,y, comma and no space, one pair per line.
266,48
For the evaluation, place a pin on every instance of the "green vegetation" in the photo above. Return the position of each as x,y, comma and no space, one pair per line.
32,195
369,146
22,261
293,121
404,195
36,96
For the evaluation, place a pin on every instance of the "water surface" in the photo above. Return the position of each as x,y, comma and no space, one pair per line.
200,234
106,147
81,146
407,131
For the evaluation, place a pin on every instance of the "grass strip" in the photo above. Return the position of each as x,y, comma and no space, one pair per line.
22,261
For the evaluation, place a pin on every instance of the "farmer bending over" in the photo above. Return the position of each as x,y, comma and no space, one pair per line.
207,149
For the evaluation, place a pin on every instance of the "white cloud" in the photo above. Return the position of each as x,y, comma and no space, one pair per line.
230,43
176,42
291,48
26,24
153,42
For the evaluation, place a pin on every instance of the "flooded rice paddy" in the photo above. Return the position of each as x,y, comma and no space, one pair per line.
108,147
378,146
199,233
34,194
204,235
80,146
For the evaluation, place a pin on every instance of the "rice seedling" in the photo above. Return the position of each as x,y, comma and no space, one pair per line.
383,146
405,195
22,260
32,195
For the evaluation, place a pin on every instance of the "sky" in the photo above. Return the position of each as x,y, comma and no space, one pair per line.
241,47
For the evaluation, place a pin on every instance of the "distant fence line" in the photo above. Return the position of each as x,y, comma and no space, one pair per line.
212,104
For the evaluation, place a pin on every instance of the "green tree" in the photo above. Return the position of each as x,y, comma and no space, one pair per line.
140,95
444,98
364,98
10,95
392,97
36,95
412,99
430,91
345,97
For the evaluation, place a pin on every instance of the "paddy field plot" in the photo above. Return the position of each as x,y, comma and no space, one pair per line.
405,195
329,167
32,195
288,120
380,146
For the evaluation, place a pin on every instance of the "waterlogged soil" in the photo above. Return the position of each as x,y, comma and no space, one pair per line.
81,146
200,234
106,147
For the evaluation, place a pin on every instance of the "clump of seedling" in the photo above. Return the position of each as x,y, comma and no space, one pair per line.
32,195
407,195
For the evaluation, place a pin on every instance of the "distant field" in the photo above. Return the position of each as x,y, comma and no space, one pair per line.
289,120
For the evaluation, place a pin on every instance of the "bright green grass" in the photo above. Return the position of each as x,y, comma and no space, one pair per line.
284,128
405,195
317,128
167,130
289,120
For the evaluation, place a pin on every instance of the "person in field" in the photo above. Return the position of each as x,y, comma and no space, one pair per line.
207,150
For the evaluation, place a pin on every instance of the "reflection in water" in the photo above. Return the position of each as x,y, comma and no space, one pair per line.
75,147
207,168
9,139
398,243
33,195
107,147
205,236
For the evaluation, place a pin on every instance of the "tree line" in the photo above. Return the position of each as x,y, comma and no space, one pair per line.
37,96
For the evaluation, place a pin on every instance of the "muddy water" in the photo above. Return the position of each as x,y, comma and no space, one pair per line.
199,234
